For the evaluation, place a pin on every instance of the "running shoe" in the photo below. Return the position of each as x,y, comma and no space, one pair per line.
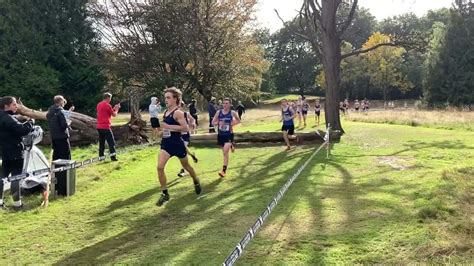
164,198
197,188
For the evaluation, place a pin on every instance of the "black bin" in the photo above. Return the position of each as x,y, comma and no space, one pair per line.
64,183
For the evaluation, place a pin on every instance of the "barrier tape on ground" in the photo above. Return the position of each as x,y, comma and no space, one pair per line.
239,248
76,165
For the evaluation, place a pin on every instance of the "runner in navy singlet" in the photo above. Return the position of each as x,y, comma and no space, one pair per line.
186,136
288,127
225,119
317,111
172,144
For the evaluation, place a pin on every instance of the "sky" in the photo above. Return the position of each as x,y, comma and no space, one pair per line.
266,16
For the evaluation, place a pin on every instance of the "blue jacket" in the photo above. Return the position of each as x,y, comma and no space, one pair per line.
211,109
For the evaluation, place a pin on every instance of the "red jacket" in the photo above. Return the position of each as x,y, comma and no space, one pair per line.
104,115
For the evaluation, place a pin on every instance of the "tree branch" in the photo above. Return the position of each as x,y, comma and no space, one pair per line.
281,19
315,11
350,17
297,33
362,51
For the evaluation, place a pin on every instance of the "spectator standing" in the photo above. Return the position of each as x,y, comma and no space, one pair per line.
212,110
154,108
59,129
11,133
104,123
240,110
193,111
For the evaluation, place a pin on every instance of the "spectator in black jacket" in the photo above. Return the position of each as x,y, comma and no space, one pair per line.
240,109
11,133
58,129
193,111
212,110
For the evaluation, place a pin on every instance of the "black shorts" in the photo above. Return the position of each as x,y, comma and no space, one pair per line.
289,129
305,112
318,113
174,147
357,108
223,139
186,138
155,123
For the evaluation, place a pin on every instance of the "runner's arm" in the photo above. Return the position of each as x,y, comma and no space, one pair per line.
236,119
292,113
182,127
215,120
192,122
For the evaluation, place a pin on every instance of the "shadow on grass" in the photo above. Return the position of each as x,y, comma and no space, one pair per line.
228,213
195,230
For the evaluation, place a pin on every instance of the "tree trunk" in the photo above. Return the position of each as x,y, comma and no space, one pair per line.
331,47
137,126
84,128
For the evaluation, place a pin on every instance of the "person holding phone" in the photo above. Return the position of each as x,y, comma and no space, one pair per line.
105,111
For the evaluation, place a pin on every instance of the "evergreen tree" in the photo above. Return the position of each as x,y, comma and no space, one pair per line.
48,47
450,62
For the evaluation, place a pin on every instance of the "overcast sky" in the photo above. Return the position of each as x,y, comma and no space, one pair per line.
381,9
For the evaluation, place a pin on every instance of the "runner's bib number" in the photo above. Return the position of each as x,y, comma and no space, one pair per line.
224,127
166,133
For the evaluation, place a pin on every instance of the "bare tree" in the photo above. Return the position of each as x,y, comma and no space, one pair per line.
322,24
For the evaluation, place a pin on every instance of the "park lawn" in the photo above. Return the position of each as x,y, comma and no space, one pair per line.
441,119
290,97
388,194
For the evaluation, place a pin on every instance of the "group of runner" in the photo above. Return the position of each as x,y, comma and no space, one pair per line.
299,109
177,124
363,106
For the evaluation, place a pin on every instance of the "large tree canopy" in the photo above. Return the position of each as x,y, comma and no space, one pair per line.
47,48
203,47
450,61
294,64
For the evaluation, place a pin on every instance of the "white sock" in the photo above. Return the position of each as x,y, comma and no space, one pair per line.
1,201
17,203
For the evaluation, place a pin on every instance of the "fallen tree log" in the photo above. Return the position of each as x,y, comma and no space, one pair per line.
84,130
266,137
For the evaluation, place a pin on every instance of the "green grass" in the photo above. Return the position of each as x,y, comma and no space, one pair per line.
121,119
291,97
388,194
440,119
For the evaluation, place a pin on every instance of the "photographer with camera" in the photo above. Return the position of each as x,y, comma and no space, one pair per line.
11,133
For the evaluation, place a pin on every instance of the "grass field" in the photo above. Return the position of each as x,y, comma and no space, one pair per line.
289,97
388,194
435,119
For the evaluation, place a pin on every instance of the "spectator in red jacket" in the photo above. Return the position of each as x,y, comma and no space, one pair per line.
104,116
